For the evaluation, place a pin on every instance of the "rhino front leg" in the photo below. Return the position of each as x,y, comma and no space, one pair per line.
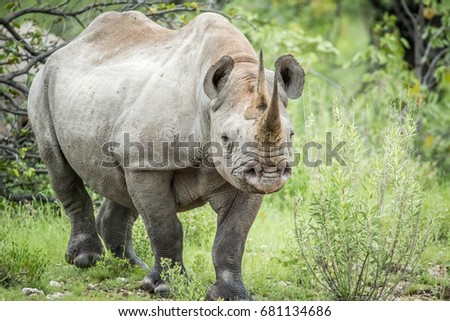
236,212
152,196
115,224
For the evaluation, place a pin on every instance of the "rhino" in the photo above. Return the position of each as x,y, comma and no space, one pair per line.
125,80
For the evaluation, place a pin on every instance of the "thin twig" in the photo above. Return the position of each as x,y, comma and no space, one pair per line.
433,63
20,87
14,112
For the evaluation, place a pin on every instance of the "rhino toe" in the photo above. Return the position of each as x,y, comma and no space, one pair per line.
163,290
155,285
86,260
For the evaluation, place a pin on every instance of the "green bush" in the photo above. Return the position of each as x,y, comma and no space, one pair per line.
362,230
182,288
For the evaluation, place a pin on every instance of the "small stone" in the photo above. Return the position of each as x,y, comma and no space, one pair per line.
123,280
282,283
91,286
57,295
31,291
55,283
437,271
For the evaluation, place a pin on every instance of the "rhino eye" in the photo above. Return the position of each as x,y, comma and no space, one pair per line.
225,138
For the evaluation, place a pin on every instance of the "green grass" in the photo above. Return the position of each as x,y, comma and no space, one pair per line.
273,268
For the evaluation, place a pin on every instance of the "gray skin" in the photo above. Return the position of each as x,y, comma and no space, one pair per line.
125,78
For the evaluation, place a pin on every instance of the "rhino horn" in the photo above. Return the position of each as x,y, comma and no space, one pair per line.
261,80
269,124
259,102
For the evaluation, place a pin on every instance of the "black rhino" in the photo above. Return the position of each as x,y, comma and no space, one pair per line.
127,80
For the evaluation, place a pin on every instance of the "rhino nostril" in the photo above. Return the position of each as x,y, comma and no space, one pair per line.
287,171
284,169
251,172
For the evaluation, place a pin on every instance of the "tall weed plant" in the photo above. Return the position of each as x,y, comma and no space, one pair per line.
362,229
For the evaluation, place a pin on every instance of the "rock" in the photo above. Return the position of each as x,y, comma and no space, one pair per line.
437,271
55,283
57,295
31,291
91,286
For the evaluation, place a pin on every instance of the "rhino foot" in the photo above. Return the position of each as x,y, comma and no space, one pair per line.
227,292
84,250
153,284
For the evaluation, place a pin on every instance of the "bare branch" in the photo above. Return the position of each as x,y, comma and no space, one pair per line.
408,12
428,49
10,99
55,11
20,87
327,79
33,62
14,112
181,9
433,63
8,149
16,36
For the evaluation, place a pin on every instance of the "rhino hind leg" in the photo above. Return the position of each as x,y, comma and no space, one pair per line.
85,247
114,224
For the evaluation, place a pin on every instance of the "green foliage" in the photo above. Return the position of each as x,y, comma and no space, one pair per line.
389,77
110,267
21,262
141,242
363,229
182,288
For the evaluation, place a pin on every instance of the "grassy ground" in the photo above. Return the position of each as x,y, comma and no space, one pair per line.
35,236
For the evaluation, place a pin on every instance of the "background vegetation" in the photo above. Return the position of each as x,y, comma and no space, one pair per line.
378,77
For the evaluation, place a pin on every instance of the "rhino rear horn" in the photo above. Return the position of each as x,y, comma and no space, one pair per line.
258,103
217,76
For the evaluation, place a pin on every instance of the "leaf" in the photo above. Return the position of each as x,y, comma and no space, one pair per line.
416,88
428,141
405,43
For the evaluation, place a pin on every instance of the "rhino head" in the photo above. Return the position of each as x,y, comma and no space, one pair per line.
249,120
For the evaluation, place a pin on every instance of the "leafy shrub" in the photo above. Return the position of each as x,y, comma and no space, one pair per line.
182,288
110,267
363,229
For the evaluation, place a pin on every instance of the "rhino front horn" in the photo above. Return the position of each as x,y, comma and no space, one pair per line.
269,125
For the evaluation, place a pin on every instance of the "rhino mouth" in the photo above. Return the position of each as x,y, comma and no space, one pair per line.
263,179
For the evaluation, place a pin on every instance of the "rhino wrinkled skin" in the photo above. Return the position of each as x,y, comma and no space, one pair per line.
126,79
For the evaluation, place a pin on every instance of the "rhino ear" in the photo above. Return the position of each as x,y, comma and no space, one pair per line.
217,76
290,75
